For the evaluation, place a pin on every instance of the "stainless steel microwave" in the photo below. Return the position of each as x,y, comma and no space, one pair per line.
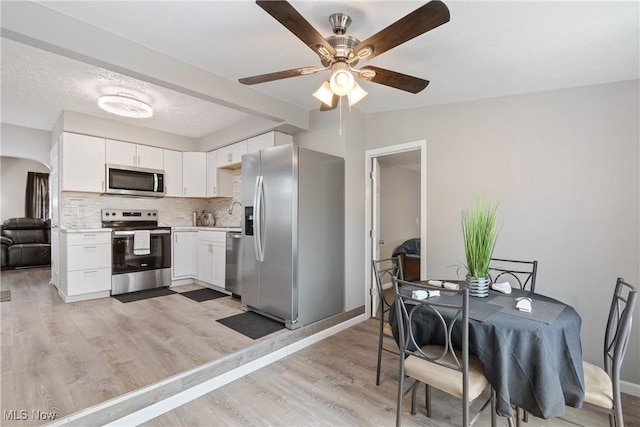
134,181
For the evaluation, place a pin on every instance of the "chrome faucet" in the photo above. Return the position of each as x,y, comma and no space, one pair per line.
235,202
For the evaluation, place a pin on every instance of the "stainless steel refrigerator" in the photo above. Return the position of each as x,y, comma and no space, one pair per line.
292,263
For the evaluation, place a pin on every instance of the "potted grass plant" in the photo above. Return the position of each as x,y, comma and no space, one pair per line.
479,230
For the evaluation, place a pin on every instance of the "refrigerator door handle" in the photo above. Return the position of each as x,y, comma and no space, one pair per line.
256,227
259,216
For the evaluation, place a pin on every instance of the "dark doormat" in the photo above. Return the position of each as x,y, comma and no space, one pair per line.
5,296
205,294
140,295
252,324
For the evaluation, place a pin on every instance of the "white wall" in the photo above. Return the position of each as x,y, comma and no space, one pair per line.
563,166
97,126
25,143
326,137
399,207
13,181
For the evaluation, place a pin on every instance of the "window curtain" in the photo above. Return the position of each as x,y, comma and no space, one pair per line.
37,195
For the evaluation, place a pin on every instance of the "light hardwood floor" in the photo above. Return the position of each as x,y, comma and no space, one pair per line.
332,383
66,357
62,358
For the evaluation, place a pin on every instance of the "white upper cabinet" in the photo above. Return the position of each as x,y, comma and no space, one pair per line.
212,174
128,154
121,153
82,163
150,157
266,140
173,173
231,155
194,174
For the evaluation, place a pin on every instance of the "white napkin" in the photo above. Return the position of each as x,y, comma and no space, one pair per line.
420,294
446,285
503,287
141,242
524,304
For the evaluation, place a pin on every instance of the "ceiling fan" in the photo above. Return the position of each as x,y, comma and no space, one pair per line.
341,53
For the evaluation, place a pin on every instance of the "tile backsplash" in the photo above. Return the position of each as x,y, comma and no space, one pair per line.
82,210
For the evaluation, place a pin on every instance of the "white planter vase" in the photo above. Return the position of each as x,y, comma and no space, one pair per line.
478,286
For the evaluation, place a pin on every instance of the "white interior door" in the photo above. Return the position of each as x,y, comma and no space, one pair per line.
375,229
372,214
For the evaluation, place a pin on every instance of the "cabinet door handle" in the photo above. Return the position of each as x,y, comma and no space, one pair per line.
184,191
102,185
90,272
89,247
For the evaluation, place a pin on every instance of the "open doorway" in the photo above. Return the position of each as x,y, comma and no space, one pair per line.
396,208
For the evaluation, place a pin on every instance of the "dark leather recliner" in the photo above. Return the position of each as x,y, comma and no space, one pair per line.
26,242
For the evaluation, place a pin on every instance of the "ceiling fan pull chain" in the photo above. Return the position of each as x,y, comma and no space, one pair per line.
340,112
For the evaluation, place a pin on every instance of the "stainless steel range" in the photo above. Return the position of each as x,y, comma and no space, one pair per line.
140,250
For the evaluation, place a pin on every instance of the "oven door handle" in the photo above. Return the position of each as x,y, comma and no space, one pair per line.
131,232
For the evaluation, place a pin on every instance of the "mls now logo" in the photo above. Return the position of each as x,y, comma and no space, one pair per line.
23,414
16,415
43,416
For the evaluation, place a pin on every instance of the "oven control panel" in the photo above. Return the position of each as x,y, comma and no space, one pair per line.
110,215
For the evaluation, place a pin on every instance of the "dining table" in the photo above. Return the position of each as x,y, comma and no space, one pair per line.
531,359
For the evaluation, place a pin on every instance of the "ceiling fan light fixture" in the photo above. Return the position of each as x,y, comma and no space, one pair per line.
324,94
341,82
356,94
125,105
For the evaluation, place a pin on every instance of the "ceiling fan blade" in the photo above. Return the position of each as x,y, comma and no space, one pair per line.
334,104
284,13
421,20
278,75
395,80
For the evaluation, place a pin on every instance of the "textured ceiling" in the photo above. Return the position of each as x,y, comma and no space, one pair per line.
38,85
488,49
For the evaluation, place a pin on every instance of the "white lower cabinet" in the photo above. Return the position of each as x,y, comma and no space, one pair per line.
85,265
211,257
184,248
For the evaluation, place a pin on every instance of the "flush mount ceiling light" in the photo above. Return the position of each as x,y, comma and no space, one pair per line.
124,104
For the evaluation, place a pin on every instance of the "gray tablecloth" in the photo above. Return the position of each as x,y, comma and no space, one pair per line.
531,364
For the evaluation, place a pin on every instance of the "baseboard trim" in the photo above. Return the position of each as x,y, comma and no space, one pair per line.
630,388
191,384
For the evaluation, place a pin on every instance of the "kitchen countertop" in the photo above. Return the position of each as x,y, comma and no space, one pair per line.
84,230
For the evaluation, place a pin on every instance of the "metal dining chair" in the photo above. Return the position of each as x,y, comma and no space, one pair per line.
453,371
522,273
602,386
387,268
